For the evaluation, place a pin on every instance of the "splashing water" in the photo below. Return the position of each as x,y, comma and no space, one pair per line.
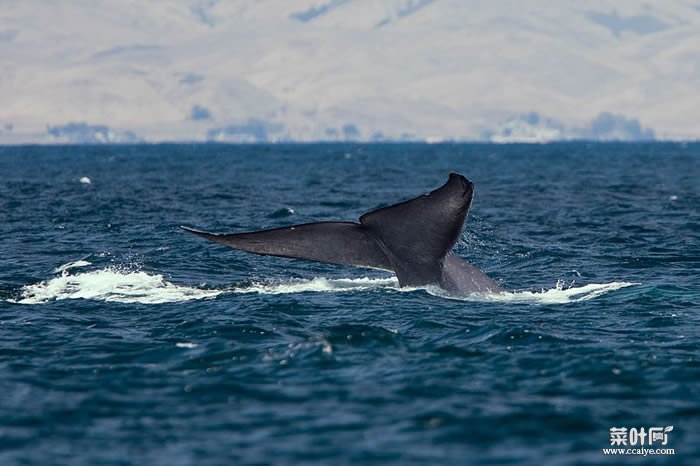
320,285
114,285
71,265
556,295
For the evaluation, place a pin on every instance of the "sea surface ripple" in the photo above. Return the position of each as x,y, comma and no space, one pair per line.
124,340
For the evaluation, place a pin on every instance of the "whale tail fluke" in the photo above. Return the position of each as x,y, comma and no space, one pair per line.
413,239
343,243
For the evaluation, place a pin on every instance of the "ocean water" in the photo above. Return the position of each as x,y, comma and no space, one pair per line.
124,340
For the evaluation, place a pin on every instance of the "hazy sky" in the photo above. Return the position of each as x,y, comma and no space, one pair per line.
348,69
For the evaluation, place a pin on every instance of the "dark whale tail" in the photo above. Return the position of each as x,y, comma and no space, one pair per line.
342,243
412,238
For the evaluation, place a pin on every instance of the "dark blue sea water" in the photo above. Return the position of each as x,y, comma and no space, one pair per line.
124,340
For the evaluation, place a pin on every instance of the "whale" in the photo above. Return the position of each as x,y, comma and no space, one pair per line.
414,239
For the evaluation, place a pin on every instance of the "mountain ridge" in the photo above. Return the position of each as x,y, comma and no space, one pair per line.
390,69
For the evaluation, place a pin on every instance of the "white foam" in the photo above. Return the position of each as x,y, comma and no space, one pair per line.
113,286
556,295
186,344
319,284
85,180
